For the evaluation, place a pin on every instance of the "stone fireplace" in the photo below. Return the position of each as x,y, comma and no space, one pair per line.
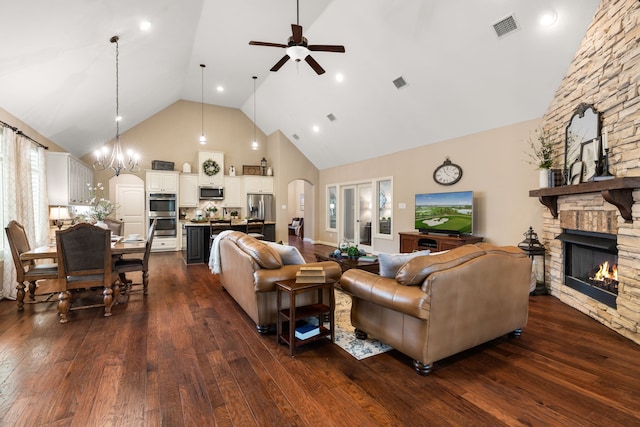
593,230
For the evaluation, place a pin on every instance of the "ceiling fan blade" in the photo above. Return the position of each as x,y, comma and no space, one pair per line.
297,33
316,67
326,48
280,63
267,44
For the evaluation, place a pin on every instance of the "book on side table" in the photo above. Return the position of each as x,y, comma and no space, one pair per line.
307,330
311,275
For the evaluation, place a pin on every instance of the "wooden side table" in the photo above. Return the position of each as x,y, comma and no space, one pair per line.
293,313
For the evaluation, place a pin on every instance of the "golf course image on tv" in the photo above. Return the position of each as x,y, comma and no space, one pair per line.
448,213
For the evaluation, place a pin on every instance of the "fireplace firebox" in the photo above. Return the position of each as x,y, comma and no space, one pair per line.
590,264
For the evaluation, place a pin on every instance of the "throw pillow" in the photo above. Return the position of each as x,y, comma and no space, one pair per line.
262,253
391,263
290,254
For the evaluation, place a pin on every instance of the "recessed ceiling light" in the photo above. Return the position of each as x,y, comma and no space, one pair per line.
548,18
145,25
220,89
316,129
340,77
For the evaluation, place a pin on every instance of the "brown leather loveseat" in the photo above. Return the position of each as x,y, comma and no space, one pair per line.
249,269
439,305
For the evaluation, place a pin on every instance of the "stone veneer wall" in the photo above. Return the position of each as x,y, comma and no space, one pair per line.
606,73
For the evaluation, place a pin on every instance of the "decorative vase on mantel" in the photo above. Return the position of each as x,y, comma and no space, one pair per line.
544,178
101,224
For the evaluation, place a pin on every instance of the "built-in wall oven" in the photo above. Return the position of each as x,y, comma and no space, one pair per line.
163,208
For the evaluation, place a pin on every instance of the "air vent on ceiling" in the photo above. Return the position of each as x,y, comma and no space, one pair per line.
400,82
506,26
295,136
331,117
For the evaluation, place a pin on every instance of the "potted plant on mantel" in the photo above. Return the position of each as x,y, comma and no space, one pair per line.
541,156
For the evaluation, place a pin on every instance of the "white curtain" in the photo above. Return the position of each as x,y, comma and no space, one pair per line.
19,185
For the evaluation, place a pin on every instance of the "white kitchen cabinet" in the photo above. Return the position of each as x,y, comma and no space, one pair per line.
216,180
162,182
189,190
233,195
258,184
162,244
69,181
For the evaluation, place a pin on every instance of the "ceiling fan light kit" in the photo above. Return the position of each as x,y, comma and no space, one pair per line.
297,47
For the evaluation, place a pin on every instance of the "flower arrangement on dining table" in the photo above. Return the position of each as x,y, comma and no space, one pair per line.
101,208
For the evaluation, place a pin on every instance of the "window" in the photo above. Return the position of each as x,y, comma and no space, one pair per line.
332,205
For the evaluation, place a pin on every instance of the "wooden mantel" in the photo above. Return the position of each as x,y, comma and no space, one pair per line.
617,191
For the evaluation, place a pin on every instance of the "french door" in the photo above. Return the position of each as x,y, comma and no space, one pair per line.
357,211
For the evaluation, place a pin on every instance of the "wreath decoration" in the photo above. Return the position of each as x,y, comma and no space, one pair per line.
210,167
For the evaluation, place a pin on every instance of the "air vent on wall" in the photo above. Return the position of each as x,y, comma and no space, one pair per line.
400,82
506,26
331,117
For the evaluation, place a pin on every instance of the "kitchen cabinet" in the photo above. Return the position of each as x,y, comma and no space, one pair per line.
258,184
233,195
162,181
216,180
188,190
69,181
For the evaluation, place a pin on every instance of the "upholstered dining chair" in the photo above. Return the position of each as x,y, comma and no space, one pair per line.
255,228
128,265
216,226
28,271
85,262
116,227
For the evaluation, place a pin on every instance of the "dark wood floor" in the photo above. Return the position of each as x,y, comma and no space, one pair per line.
186,355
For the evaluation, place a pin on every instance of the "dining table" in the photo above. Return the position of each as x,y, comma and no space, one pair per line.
119,246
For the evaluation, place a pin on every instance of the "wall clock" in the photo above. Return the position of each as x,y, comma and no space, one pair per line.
447,173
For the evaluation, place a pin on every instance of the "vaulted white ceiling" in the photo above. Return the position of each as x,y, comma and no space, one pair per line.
57,67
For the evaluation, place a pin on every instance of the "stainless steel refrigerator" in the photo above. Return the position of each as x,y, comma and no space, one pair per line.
261,206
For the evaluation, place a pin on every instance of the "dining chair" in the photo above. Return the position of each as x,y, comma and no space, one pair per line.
127,265
116,226
28,271
216,226
84,264
255,228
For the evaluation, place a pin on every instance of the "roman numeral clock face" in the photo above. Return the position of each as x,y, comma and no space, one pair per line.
447,173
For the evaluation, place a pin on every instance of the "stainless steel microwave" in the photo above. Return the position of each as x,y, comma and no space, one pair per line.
211,193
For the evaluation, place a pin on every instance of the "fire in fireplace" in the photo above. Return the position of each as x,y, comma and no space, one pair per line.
590,264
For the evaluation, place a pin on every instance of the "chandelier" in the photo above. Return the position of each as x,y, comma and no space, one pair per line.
116,159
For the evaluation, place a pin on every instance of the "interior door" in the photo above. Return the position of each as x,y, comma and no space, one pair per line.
131,207
357,209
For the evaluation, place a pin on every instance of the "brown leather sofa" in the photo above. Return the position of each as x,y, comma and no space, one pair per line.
439,305
249,269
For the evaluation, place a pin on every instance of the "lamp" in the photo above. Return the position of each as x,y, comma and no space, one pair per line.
536,251
263,166
203,139
254,144
58,214
116,161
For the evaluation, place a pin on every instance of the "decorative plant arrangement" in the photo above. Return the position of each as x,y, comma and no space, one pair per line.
212,211
101,208
541,154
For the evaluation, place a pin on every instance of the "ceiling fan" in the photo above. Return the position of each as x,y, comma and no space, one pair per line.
298,48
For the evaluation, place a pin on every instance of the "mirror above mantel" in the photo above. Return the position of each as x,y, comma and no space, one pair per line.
582,144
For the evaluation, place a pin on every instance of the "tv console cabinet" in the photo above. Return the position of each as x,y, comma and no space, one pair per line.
415,241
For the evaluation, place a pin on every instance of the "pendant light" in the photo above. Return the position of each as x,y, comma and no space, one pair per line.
254,144
203,139
116,161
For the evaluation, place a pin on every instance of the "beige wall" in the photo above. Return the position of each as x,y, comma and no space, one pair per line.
172,135
494,167
8,118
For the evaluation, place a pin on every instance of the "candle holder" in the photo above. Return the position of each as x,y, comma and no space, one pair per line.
602,168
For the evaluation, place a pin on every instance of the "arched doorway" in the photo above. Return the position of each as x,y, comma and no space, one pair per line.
301,204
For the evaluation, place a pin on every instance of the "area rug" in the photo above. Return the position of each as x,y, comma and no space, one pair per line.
345,337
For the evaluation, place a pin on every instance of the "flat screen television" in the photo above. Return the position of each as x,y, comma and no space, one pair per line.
445,213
